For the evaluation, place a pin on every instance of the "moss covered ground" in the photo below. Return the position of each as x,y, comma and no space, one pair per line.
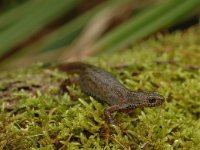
35,116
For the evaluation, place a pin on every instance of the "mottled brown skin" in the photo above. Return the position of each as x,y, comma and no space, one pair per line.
104,87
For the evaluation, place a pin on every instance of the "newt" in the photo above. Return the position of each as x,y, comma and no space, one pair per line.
104,87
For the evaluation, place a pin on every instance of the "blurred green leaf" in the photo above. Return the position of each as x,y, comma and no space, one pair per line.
9,17
147,22
19,24
46,11
66,33
69,31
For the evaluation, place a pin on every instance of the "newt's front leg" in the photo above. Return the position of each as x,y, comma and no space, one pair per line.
108,112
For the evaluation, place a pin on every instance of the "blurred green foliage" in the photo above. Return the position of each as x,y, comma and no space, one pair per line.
9,4
26,33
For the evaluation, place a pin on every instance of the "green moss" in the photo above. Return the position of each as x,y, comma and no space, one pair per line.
33,114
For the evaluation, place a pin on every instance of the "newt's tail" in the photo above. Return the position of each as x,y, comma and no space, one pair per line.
73,67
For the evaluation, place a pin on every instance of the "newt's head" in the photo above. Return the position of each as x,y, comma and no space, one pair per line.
147,99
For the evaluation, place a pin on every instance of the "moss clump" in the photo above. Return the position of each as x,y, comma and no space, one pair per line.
34,115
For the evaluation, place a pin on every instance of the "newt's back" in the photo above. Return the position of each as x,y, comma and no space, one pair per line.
98,83
74,67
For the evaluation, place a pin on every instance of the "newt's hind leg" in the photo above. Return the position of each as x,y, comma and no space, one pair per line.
67,82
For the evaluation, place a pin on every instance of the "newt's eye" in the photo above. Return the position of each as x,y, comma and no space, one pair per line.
152,99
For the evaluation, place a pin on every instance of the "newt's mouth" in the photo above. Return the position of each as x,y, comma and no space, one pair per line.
153,105
156,103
